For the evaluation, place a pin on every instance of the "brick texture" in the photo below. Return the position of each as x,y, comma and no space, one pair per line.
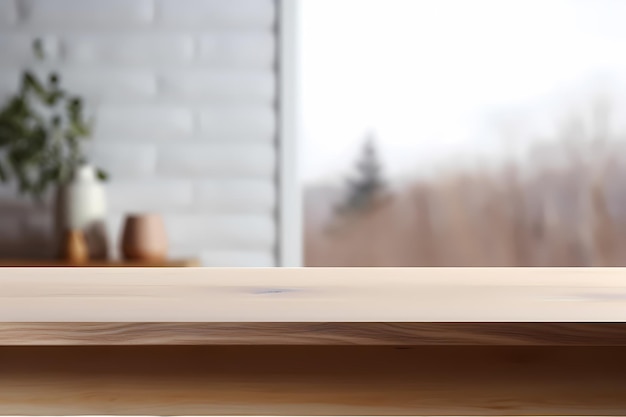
83,14
239,15
183,95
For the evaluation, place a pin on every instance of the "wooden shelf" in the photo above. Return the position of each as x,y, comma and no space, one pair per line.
402,307
312,380
213,341
285,295
26,263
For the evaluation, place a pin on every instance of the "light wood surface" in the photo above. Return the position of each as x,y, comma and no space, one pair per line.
307,341
200,380
113,263
207,295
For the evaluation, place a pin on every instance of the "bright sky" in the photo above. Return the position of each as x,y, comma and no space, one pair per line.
437,78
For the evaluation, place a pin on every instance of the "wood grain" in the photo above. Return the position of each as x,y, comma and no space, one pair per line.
321,341
207,295
368,334
307,380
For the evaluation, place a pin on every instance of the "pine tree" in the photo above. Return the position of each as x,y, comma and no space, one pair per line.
367,185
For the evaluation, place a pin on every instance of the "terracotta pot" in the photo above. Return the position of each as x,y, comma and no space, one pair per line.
75,247
144,238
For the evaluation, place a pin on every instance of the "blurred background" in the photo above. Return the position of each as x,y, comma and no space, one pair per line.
464,133
366,132
174,102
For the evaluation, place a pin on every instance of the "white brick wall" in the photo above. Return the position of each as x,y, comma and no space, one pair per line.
222,160
130,50
16,48
83,14
143,122
184,95
232,14
236,196
231,87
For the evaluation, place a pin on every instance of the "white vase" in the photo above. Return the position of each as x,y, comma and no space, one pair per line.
81,205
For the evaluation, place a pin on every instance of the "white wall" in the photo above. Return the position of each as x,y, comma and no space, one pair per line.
184,93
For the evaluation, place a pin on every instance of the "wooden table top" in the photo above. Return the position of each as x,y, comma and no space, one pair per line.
580,306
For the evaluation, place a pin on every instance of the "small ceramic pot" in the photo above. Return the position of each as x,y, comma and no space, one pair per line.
144,238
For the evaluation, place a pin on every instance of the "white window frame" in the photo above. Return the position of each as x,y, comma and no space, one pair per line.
289,216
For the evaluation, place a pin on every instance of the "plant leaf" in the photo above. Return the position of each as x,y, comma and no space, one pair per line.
54,80
39,149
38,49
31,82
53,97
102,175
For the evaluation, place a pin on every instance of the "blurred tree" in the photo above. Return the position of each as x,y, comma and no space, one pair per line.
364,188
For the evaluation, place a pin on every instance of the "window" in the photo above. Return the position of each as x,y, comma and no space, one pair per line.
462,133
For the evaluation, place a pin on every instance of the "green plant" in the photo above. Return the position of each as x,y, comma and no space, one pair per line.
42,130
